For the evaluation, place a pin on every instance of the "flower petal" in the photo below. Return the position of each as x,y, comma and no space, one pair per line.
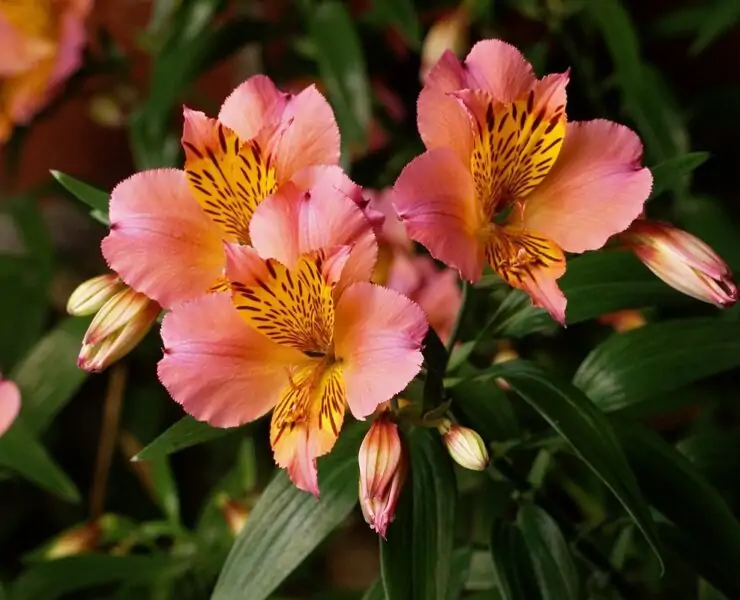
296,221
500,69
393,231
377,339
435,199
161,243
544,291
253,105
229,177
308,135
218,368
72,38
306,422
595,190
19,52
441,121
10,404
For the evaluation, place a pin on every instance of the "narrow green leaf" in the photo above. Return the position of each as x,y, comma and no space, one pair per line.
57,578
551,558
400,14
435,360
512,568
342,68
375,591
54,356
185,433
669,173
723,15
416,559
702,515
165,488
287,524
96,199
622,370
460,569
589,432
487,408
24,454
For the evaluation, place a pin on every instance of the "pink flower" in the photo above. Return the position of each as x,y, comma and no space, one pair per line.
383,466
10,404
40,47
683,261
309,337
506,180
435,290
168,226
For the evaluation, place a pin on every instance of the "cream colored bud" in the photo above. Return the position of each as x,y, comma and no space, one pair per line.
90,295
465,446
448,33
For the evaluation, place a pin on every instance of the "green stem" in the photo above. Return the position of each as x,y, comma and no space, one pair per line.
455,333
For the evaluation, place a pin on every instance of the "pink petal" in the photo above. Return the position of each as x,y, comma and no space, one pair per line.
253,105
244,265
500,69
393,231
10,404
72,40
308,135
435,199
595,190
219,369
296,457
294,222
377,337
160,242
441,121
545,293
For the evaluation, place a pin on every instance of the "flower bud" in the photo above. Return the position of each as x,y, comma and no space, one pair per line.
78,540
683,261
448,33
10,403
119,326
623,320
506,353
382,474
90,295
465,446
234,513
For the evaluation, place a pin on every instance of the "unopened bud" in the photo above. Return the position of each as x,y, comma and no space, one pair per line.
382,474
234,513
119,326
78,540
683,261
448,33
90,295
10,403
506,353
106,111
623,320
465,446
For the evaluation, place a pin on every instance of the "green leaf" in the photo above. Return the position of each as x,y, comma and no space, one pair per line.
375,591
512,568
342,68
487,408
287,524
435,361
622,370
702,515
589,432
400,14
57,578
55,356
185,433
595,283
723,15
96,199
548,550
24,454
416,559
669,173
165,488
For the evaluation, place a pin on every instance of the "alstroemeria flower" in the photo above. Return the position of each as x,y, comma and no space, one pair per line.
303,332
506,180
168,226
40,47
10,403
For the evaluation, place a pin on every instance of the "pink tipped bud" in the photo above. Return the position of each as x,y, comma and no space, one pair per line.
121,323
448,33
234,513
90,295
465,446
382,474
10,403
683,261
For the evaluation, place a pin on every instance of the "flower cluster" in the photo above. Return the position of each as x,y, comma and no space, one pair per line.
270,262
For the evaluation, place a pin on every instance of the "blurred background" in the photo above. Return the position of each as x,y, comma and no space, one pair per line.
667,68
